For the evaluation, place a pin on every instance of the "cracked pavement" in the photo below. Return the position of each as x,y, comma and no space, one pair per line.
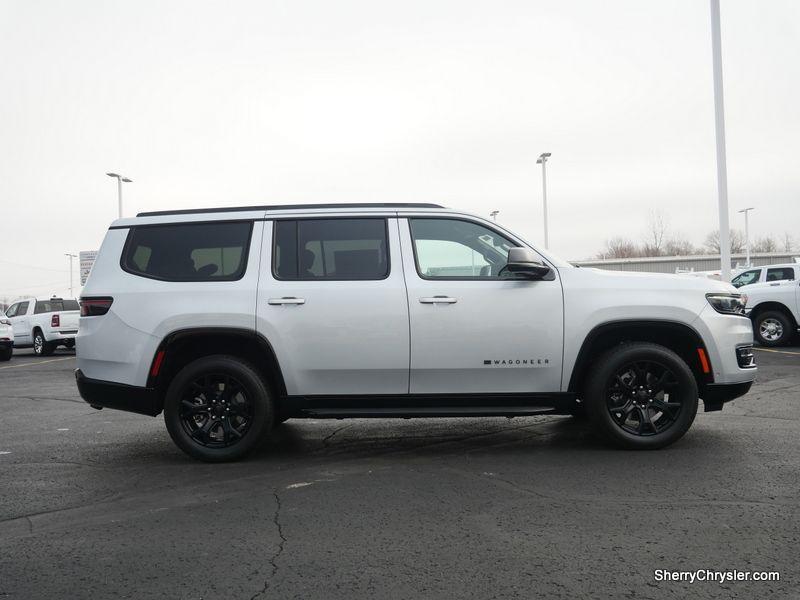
100,504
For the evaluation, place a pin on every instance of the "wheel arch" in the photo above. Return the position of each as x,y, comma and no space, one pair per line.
182,346
681,338
772,305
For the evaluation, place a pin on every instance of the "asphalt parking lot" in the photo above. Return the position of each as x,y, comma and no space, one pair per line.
100,504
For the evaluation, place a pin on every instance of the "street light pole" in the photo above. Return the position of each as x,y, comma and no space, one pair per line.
722,168
494,214
70,256
120,181
746,212
542,160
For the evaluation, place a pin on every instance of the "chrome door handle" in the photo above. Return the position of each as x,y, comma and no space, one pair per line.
286,300
438,300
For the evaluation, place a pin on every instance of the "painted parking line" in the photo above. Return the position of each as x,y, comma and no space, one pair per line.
777,351
38,362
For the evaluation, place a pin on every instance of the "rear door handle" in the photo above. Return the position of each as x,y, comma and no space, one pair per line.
286,300
438,300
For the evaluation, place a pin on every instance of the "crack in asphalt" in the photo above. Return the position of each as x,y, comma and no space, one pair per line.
328,438
37,398
273,561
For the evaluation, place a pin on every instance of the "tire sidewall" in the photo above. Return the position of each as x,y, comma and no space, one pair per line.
772,314
617,358
255,388
41,351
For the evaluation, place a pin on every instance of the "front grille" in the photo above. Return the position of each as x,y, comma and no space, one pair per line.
745,357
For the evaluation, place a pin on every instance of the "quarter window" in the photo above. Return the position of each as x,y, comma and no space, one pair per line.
457,249
189,251
333,249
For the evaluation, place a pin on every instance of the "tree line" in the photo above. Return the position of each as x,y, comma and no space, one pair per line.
659,240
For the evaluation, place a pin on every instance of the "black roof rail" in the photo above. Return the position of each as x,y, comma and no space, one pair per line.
198,211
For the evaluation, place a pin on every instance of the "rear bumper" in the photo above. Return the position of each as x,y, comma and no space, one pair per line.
107,394
714,395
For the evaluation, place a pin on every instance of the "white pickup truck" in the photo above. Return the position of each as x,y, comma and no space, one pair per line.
44,324
773,301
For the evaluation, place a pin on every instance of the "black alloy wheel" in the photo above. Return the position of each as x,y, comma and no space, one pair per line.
641,395
218,408
642,398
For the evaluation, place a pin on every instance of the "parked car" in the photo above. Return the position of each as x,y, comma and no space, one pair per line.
773,302
44,323
232,320
6,339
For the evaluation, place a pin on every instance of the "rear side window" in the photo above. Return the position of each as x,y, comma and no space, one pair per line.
46,306
188,251
333,249
780,274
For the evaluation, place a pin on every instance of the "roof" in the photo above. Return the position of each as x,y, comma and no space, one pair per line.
196,211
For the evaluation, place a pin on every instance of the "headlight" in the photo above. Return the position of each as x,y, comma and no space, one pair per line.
727,304
5,322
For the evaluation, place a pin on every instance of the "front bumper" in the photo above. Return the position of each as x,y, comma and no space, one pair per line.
107,394
714,395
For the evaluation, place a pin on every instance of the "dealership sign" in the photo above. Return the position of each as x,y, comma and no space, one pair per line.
86,258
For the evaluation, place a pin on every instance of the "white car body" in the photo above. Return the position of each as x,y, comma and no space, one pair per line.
402,337
31,315
6,338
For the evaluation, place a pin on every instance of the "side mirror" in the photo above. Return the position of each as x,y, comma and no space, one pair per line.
523,263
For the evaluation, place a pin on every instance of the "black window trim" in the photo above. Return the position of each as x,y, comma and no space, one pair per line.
385,220
410,218
234,277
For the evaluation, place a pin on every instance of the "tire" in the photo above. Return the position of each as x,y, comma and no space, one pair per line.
641,396
772,328
218,409
41,347
6,353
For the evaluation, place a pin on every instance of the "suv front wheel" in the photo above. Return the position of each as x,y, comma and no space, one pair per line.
218,408
641,396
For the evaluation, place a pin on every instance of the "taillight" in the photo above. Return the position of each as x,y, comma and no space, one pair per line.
55,321
94,307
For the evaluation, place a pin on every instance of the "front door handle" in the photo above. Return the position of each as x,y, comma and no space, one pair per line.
286,300
438,300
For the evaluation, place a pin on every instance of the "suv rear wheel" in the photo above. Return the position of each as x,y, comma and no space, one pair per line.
218,408
772,328
641,396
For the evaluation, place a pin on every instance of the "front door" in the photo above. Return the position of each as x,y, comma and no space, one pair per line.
472,331
332,303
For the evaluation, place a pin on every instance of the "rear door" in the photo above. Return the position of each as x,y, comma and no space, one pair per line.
471,330
332,303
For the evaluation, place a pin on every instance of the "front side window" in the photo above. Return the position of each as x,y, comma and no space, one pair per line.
22,309
333,249
780,274
456,249
746,278
189,251
12,310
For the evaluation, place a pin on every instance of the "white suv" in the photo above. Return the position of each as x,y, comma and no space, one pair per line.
233,320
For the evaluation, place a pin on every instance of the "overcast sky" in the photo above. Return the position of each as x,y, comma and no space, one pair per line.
230,103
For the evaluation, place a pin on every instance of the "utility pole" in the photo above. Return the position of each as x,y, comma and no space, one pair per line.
70,256
494,214
722,168
120,181
746,212
542,160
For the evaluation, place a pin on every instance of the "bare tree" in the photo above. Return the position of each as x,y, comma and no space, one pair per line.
711,243
619,247
655,237
765,244
788,242
679,246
